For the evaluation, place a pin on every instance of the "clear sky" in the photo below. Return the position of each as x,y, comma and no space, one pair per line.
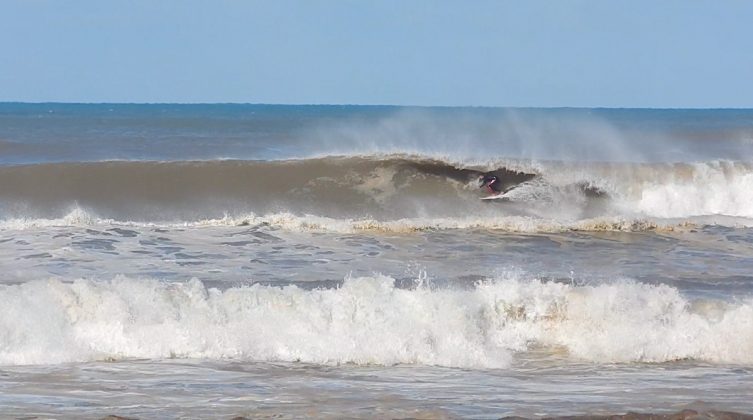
633,53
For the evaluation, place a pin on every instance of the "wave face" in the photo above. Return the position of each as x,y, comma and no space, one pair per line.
367,321
383,190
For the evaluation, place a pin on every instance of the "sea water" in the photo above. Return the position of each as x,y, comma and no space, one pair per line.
195,261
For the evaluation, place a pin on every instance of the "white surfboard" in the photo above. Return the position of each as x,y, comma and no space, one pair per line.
495,197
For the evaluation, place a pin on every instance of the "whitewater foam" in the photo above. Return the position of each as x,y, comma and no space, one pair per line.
366,321
79,217
711,188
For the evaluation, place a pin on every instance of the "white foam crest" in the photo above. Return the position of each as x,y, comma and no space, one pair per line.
366,321
77,216
523,224
710,188
313,223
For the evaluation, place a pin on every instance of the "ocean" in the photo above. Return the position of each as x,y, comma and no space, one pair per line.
212,261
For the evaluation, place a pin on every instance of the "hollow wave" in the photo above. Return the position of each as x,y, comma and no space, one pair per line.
385,191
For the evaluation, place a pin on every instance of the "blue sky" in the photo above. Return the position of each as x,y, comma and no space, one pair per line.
409,52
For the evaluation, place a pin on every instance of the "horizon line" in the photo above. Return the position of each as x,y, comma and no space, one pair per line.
2,102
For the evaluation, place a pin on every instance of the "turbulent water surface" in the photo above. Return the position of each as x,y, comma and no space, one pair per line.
224,260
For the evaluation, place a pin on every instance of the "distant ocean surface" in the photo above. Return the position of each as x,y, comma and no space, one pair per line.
197,261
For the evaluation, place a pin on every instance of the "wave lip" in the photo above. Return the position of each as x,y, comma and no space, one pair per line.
367,321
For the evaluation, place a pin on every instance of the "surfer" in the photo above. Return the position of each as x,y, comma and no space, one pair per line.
492,184
500,181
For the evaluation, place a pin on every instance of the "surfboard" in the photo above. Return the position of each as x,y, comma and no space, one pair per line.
502,196
495,197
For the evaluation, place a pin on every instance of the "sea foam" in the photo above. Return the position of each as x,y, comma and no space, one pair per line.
287,221
367,321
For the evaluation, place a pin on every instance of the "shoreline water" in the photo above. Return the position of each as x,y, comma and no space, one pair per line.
197,389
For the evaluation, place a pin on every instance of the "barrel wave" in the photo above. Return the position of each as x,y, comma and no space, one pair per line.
387,191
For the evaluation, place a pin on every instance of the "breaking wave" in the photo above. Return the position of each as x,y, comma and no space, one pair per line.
367,321
380,192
